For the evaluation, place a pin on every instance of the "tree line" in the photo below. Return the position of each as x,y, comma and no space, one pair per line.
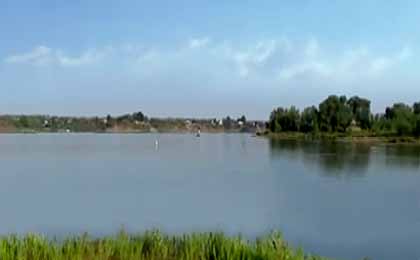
73,124
337,114
136,122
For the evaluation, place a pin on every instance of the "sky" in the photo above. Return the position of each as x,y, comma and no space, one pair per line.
191,58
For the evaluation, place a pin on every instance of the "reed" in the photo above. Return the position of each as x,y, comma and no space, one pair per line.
150,245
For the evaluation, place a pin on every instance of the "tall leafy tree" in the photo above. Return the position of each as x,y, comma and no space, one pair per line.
282,119
309,120
416,130
227,123
360,108
334,114
344,117
402,118
139,116
416,108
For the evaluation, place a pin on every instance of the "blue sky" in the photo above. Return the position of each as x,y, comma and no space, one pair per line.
204,58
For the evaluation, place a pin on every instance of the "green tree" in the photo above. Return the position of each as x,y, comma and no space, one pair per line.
242,119
309,120
416,108
124,118
334,114
344,117
227,123
402,126
289,119
284,119
109,121
23,122
139,116
360,108
416,130
402,118
274,121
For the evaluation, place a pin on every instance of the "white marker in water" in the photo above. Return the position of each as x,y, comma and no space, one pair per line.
156,144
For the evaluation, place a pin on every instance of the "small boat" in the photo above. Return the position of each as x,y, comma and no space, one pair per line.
198,133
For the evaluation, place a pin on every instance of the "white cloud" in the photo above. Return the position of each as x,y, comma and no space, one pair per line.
252,57
88,57
44,56
40,55
287,60
198,42
344,65
263,51
280,59
308,68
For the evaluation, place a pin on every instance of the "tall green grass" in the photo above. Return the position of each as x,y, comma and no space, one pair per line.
150,245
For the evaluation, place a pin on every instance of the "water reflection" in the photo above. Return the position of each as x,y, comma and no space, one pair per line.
402,156
344,159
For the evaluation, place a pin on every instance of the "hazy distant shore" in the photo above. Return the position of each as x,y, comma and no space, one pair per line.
128,131
128,123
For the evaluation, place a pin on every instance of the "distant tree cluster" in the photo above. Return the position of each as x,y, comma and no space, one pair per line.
338,114
401,119
44,123
229,123
138,116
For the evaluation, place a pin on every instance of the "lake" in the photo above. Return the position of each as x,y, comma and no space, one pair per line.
339,200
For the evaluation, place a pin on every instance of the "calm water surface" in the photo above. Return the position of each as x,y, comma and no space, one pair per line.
339,200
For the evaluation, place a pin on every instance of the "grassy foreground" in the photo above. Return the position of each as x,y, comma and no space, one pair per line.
150,245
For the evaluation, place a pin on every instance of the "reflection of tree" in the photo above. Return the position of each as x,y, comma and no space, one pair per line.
333,158
402,156
285,148
243,143
345,159
339,158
